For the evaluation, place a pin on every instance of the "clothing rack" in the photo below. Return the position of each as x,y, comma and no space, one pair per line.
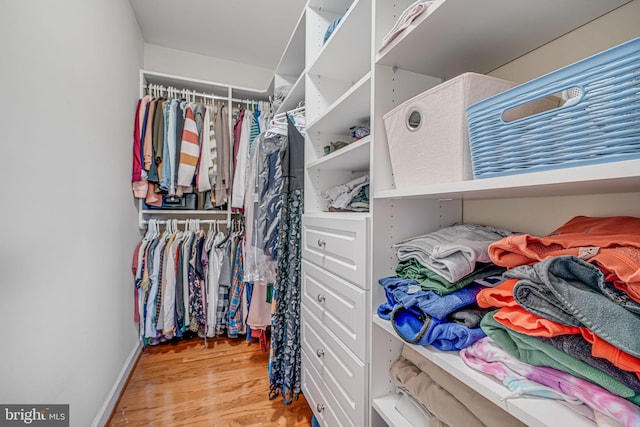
279,120
185,221
284,114
186,93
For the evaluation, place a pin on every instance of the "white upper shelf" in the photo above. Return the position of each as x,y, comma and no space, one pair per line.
457,36
618,177
352,108
346,54
295,95
292,60
354,156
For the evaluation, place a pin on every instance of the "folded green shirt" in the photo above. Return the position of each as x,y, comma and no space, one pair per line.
535,352
430,280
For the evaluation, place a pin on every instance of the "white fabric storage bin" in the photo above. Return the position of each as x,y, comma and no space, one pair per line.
427,135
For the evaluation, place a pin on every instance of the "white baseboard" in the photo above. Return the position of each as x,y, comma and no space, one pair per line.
105,411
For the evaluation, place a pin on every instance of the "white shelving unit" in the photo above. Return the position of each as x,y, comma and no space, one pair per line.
341,62
347,79
338,95
453,37
335,271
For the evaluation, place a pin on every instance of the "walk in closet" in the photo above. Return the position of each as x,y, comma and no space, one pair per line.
351,80
67,273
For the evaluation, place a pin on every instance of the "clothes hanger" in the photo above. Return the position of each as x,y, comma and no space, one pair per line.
147,235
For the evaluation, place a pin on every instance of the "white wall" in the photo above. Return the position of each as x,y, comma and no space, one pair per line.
533,215
186,64
610,30
68,88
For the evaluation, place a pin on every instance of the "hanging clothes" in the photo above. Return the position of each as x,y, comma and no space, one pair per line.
189,149
285,336
182,281
173,152
262,208
138,184
223,143
240,172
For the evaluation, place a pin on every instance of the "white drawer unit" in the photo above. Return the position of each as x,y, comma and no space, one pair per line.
321,401
339,371
338,245
340,306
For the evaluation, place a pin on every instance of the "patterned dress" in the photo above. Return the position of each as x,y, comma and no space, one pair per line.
285,336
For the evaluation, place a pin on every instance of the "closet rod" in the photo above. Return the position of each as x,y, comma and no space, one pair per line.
284,113
184,221
197,94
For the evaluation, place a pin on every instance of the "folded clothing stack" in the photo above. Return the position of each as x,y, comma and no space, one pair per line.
350,197
443,398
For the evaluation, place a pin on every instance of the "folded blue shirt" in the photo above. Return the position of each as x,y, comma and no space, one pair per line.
415,328
408,293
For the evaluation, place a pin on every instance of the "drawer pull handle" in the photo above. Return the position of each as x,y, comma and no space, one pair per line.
322,243
320,407
320,352
321,298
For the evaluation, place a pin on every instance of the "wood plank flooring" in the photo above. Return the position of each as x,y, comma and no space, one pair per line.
184,384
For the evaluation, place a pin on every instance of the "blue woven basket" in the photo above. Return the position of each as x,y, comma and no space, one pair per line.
601,123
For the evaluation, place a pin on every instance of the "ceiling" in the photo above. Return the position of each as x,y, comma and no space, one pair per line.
253,32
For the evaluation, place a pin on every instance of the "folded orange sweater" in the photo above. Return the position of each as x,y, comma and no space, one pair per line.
516,318
498,296
520,320
612,243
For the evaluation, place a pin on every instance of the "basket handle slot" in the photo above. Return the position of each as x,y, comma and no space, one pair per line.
559,100
414,119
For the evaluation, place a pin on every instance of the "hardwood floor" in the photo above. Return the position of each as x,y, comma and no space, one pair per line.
184,384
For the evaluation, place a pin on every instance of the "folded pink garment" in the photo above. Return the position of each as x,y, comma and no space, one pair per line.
486,356
408,16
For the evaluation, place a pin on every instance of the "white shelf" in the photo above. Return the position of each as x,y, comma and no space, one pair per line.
354,156
352,108
295,95
385,406
618,177
182,212
481,36
346,54
334,215
532,411
292,60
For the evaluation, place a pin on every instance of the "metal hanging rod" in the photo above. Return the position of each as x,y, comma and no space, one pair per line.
187,92
284,113
184,221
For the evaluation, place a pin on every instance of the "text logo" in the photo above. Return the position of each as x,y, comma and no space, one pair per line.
34,415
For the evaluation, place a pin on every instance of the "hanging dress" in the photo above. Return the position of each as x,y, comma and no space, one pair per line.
285,337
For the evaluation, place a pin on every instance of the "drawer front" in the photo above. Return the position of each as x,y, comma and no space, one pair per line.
340,306
343,375
320,399
337,244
